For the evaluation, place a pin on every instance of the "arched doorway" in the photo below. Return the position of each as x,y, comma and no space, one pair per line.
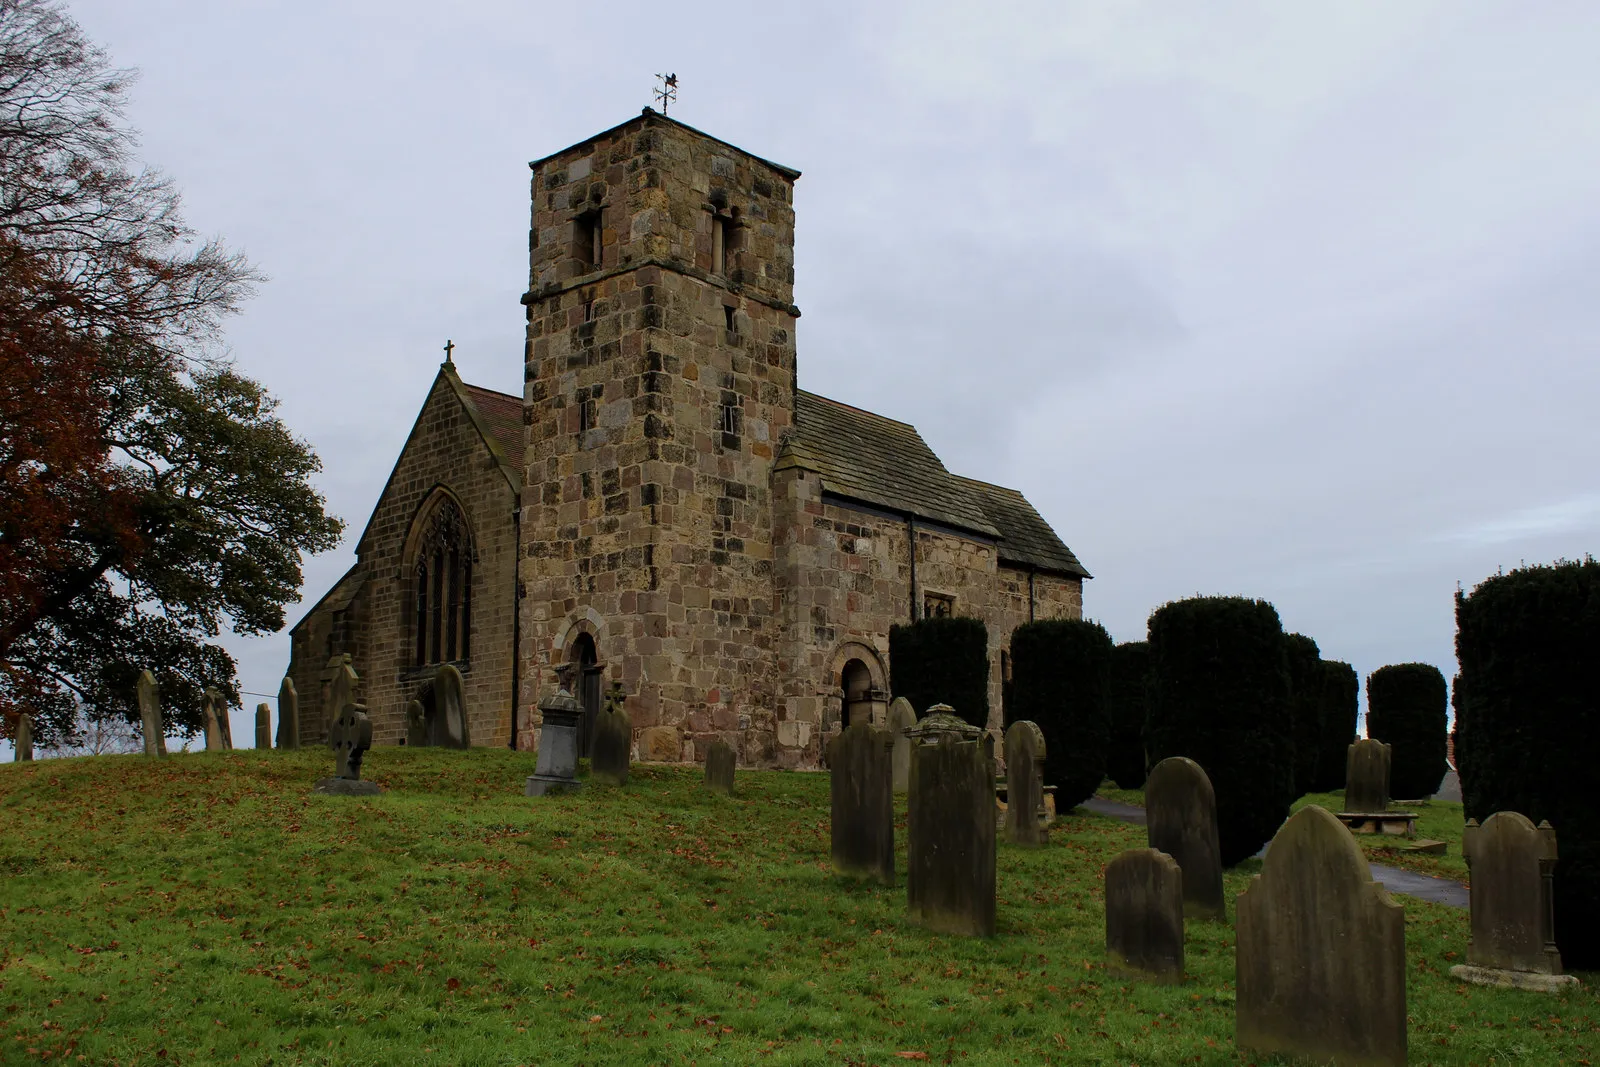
584,661
856,681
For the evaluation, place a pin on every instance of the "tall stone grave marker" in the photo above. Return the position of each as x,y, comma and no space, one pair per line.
1513,923
1366,784
22,744
613,739
1144,914
215,709
861,778
416,724
450,702
1025,784
902,717
150,724
349,737
263,725
1181,820
950,874
1321,951
341,691
720,763
557,769
288,715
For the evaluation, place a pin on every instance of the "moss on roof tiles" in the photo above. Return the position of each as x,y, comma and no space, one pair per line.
1026,538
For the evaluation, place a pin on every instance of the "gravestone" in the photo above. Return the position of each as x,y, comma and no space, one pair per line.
263,725
1513,923
951,868
341,691
349,737
613,739
416,724
861,780
557,768
22,744
1321,951
902,716
288,715
1144,914
151,727
1366,784
720,763
1025,784
450,704
1181,820
214,709
940,721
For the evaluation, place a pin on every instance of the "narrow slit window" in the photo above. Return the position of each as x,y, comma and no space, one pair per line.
719,244
728,318
586,238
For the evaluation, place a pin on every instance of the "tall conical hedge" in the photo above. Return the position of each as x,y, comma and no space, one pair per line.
1305,702
942,661
1128,702
1528,724
1220,695
1406,710
1341,707
1060,675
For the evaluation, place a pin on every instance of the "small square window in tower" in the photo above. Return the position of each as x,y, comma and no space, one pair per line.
587,401
938,606
586,239
726,239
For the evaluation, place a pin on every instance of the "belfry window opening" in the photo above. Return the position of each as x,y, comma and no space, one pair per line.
444,589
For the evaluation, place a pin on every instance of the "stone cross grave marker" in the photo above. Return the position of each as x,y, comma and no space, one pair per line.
22,744
1366,785
1144,914
1513,921
450,702
150,724
1025,784
1321,951
215,709
263,725
902,716
1181,820
341,691
416,724
720,763
349,737
557,768
613,739
861,780
951,868
288,715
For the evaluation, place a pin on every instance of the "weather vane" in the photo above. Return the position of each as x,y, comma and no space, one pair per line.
668,93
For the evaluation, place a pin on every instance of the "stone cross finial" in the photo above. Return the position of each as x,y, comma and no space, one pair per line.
449,347
616,697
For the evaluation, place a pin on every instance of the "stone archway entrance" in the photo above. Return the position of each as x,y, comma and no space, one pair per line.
585,672
859,701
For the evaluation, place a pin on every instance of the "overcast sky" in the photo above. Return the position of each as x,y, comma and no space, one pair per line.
1295,301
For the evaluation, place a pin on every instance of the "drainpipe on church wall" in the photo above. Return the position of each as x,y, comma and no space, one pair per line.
516,621
911,544
1031,573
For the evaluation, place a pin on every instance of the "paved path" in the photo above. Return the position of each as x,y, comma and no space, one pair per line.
1412,884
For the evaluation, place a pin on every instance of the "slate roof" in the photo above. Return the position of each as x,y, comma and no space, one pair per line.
1025,537
503,414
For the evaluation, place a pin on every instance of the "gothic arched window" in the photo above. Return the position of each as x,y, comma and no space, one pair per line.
444,587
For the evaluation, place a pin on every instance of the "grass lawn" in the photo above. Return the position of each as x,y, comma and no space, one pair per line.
209,909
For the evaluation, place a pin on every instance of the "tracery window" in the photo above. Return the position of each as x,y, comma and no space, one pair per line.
444,588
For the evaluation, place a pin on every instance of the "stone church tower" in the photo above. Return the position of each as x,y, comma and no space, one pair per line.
660,377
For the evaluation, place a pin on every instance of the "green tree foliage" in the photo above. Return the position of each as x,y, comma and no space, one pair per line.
1128,703
1219,695
1528,723
942,661
1340,699
1305,703
149,495
1060,680
1406,710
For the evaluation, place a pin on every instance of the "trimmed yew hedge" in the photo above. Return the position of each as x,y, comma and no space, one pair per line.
942,661
1406,710
1305,703
1219,695
1060,678
1127,703
1341,707
1528,727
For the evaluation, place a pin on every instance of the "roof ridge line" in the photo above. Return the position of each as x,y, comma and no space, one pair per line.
873,414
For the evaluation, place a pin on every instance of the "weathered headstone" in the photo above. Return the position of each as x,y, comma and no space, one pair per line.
1366,783
349,737
1513,923
1321,951
450,704
1181,820
613,740
1025,784
557,768
150,724
263,725
951,868
902,717
214,709
341,690
720,763
416,724
1144,914
22,744
861,781
288,715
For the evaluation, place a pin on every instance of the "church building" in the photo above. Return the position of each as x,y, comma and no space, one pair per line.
664,507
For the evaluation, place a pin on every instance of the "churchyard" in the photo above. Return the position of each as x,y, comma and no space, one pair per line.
209,908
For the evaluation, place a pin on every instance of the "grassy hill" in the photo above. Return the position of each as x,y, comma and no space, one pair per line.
210,909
